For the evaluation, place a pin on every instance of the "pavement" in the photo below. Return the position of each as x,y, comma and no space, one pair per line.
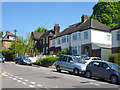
24,76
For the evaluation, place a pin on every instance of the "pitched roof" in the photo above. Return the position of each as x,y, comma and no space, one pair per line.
90,23
6,36
115,27
36,35
47,33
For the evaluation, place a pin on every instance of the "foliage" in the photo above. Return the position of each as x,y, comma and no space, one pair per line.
36,51
20,46
64,52
115,58
47,59
8,54
107,13
41,30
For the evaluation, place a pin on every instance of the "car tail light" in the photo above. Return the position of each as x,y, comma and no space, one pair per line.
85,61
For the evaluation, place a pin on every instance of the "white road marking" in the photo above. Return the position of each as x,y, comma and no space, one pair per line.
31,86
24,83
21,78
32,82
26,80
19,81
6,75
40,85
10,77
14,78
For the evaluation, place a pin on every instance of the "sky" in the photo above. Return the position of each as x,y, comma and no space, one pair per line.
26,17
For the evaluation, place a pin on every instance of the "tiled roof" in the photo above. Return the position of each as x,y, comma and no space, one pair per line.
36,35
89,24
116,27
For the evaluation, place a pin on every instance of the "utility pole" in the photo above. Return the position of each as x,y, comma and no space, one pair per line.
15,41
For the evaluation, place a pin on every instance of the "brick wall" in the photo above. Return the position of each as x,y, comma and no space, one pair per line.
96,53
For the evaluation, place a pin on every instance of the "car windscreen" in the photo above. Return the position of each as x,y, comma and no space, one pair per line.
1,55
114,66
86,58
25,57
78,60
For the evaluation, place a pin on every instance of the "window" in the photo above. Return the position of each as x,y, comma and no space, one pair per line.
97,64
58,41
104,65
67,38
47,40
86,35
46,49
43,40
74,36
108,37
40,41
43,50
79,36
74,50
53,42
63,39
118,35
64,58
70,59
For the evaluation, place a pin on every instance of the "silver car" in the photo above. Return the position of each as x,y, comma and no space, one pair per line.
71,64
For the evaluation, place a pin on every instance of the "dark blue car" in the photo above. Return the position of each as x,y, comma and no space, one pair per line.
104,70
23,60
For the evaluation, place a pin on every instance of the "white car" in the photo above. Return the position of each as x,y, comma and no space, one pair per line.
89,59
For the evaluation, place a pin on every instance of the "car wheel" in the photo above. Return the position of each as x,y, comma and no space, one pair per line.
15,62
88,74
76,71
114,79
58,69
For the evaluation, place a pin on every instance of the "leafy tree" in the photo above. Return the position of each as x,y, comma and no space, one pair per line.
41,30
64,52
107,13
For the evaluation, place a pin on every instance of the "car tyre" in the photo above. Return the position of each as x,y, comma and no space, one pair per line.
88,74
76,71
114,79
58,69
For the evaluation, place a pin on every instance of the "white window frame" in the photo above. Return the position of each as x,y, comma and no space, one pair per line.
58,41
43,40
47,40
79,36
53,43
108,38
46,49
64,39
43,50
118,35
74,36
67,38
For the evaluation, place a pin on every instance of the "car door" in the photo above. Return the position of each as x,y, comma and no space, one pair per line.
104,71
70,65
95,68
63,64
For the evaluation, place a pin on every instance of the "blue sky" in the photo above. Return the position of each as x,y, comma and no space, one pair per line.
28,16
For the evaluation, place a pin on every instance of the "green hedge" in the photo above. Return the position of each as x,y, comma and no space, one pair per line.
47,59
115,58
8,54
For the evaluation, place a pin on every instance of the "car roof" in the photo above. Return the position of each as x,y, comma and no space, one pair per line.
103,61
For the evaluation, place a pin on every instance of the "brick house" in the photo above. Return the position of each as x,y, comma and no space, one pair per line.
116,39
6,40
42,41
1,39
88,37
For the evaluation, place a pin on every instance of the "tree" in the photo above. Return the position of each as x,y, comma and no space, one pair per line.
41,30
107,13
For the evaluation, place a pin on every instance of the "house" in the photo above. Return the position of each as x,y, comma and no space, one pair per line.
88,37
42,41
7,39
116,39
1,39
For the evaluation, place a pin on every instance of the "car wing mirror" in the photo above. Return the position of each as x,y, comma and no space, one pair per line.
108,68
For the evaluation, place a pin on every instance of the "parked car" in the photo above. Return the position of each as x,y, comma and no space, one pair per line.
104,70
2,58
71,64
89,59
23,60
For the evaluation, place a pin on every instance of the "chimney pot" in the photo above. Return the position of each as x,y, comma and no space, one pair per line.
84,17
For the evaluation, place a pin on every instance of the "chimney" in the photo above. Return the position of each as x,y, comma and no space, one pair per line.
56,29
7,32
84,18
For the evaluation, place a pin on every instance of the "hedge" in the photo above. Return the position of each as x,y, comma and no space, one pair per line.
8,54
115,58
47,59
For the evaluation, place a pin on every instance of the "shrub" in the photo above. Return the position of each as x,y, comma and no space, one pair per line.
8,54
47,59
64,52
115,58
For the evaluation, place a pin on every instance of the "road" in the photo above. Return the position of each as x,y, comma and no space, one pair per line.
22,76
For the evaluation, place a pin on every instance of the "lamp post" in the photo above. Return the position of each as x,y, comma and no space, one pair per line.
15,41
